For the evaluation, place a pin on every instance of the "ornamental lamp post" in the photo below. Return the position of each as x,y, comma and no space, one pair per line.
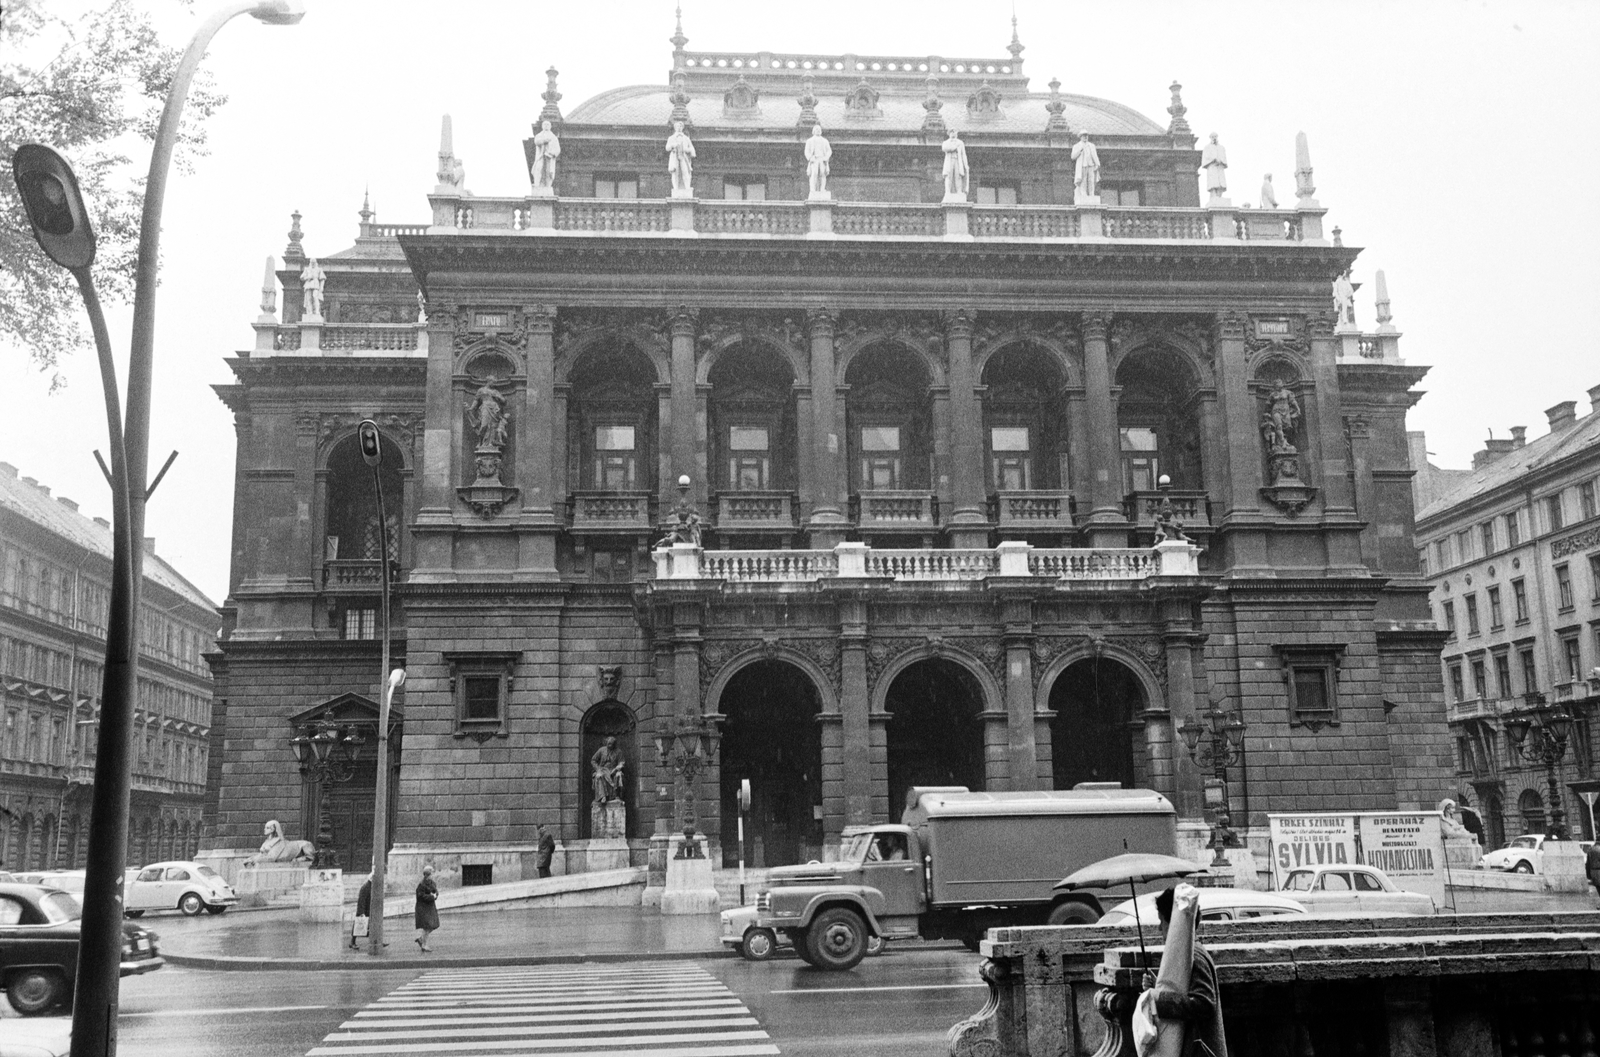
326,750
1540,735
1223,744
56,212
687,746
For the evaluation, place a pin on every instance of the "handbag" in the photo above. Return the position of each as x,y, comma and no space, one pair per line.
360,926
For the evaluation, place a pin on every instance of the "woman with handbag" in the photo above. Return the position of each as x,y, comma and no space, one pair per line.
427,913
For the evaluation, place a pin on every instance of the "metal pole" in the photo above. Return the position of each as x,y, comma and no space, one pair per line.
380,815
94,1011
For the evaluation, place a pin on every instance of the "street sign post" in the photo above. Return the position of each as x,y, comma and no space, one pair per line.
744,806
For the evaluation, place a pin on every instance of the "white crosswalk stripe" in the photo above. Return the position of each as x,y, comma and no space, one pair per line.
649,1009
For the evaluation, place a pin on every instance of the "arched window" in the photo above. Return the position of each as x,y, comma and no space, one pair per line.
351,526
1158,421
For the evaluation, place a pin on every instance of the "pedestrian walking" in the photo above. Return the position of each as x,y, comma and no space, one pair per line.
361,926
427,912
1193,998
547,850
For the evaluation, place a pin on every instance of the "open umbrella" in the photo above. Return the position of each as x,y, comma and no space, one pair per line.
1130,868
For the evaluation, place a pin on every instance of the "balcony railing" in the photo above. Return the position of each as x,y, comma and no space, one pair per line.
597,512
900,220
1477,708
1192,509
896,511
343,574
755,511
1012,560
1033,511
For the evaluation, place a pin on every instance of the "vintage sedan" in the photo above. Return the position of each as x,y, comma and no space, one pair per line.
753,943
1520,855
1216,904
1350,889
39,932
186,886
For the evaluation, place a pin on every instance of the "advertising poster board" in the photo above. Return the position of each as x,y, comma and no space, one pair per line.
1310,840
1408,846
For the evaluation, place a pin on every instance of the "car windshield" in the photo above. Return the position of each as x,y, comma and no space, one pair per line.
59,907
1524,842
1299,881
854,848
1115,917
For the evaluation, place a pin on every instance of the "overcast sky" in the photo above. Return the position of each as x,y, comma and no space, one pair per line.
1458,143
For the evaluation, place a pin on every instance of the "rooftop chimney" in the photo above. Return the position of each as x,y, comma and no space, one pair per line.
1562,415
1594,402
68,503
102,522
1519,436
150,546
8,470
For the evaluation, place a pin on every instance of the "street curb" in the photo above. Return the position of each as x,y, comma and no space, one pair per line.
364,962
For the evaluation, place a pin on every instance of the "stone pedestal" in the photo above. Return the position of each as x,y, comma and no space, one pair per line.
680,208
1462,853
322,896
1178,558
541,210
690,887
821,215
608,820
268,881
1091,221
1561,863
605,853
656,870
957,217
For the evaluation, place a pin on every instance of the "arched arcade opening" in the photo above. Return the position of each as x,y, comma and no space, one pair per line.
934,733
1096,702
771,737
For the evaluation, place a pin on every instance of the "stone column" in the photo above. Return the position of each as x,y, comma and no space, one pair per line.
1106,523
969,527
996,749
1323,432
828,524
682,328
298,557
861,779
833,782
1022,744
535,430
435,516
1240,502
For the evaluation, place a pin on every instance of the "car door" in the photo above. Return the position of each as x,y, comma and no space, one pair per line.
28,938
175,883
892,869
144,891
1336,891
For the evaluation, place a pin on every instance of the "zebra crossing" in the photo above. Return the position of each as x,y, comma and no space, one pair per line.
652,1009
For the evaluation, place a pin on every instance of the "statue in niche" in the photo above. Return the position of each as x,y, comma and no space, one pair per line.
819,152
546,149
610,681
956,169
1280,420
312,278
1269,197
488,415
1085,167
680,161
606,767
1214,159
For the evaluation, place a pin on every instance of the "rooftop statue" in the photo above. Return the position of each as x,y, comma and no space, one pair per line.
956,169
1269,197
1344,301
819,152
1086,168
312,278
680,161
1214,159
546,149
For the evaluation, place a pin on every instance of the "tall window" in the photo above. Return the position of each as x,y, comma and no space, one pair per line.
1486,530
616,185
1441,550
1471,602
1563,586
482,685
360,623
1497,616
1594,577
1502,675
616,458
1449,618
997,193
1011,465
1140,469
1513,529
1552,506
1422,560
1312,675
1586,506
880,457
1464,545
1480,681
1121,194
744,188
1519,595
1530,671
749,458
1570,651
1458,689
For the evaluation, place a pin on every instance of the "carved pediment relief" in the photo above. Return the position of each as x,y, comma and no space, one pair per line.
862,102
984,103
743,99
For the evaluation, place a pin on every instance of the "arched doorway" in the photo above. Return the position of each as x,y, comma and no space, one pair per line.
935,735
771,737
1531,806
1095,701
607,719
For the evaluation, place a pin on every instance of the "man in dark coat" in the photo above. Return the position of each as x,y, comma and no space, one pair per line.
426,916
547,851
1200,1009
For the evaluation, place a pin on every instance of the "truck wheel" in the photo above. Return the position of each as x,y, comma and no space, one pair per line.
34,991
1523,866
802,945
759,945
837,939
1072,914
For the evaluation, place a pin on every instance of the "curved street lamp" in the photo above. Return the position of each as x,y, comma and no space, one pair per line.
60,222
1223,732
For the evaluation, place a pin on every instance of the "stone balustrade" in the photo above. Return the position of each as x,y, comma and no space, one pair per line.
1479,708
1032,511
1423,986
755,511
892,510
602,512
348,573
1355,347
927,564
827,218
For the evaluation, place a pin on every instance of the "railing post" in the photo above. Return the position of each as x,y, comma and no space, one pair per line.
852,558
1013,557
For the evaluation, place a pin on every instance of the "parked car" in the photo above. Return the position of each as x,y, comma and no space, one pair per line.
756,944
39,933
67,880
1346,888
1216,904
186,886
1520,855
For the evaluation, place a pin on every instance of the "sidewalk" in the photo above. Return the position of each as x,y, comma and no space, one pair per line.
277,939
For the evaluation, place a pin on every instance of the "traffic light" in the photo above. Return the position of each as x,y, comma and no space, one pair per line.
371,449
55,205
